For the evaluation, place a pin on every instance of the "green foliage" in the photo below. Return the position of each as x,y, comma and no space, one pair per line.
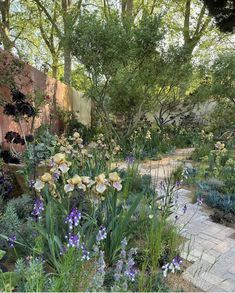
22,205
221,89
154,283
9,222
212,191
203,146
178,173
8,281
201,151
74,274
73,125
2,253
1,204
129,76
32,276
223,76
224,202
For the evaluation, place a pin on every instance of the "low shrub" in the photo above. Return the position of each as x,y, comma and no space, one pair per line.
223,202
201,151
212,192
23,206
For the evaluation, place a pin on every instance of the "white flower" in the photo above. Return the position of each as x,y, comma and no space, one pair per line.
76,135
172,268
74,181
117,185
115,180
85,179
165,269
68,187
63,168
148,135
100,187
39,185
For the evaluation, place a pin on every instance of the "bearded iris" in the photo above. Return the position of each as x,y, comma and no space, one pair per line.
115,181
59,163
40,183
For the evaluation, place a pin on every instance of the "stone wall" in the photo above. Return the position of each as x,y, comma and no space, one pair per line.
31,81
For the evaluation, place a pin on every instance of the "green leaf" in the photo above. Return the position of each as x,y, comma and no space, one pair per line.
9,281
2,253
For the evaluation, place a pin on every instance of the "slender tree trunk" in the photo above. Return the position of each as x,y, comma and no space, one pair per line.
67,51
5,25
127,11
54,66
67,65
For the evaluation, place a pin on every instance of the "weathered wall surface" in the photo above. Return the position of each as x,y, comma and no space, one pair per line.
202,112
30,81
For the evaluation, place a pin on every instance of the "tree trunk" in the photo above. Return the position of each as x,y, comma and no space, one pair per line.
67,65
54,67
67,51
5,25
127,11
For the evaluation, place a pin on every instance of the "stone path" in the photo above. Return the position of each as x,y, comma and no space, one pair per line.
210,247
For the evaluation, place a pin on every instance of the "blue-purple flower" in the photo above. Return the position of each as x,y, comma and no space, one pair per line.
131,273
178,183
73,218
174,265
11,241
38,208
177,261
85,253
102,234
130,160
73,240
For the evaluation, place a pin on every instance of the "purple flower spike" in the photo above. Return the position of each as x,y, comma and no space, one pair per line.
177,262
131,274
38,207
11,241
185,208
85,253
73,240
102,234
73,218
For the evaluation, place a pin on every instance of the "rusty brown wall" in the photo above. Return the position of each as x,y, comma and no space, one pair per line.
31,80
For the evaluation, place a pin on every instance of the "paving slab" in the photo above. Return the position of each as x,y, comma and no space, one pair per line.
210,246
